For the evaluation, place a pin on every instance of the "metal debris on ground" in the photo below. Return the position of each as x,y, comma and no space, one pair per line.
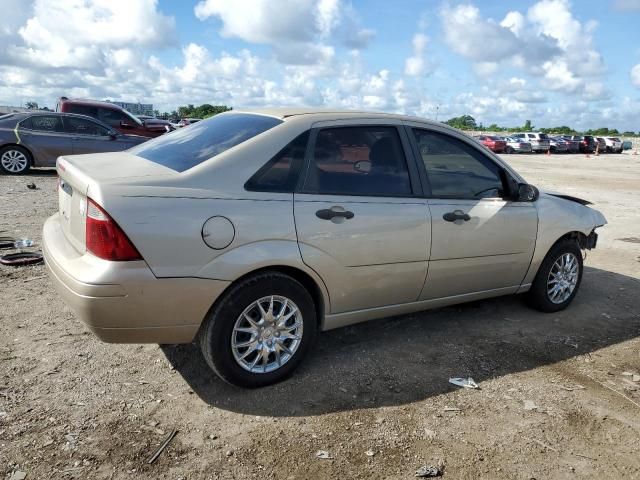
530,405
21,259
323,455
464,382
23,243
32,186
369,453
164,445
451,409
428,471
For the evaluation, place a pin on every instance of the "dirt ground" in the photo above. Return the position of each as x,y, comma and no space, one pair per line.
556,396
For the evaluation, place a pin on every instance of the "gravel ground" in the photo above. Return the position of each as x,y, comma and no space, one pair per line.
557,395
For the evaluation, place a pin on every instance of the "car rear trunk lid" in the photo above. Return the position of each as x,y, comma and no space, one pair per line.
80,176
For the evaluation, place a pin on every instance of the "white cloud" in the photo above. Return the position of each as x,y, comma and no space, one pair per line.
548,42
473,37
76,33
485,69
416,65
297,29
635,75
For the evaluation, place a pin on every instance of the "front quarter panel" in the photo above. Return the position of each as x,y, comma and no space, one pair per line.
556,218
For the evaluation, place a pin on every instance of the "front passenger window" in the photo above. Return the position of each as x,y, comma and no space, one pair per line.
457,170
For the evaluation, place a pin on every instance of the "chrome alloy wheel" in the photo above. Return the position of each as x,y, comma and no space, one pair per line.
563,278
267,334
14,161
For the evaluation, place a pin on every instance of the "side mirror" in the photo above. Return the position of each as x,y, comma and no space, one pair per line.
113,135
527,193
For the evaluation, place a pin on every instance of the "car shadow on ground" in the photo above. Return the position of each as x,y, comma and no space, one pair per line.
404,359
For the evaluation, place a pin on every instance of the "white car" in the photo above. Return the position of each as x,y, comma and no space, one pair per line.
539,141
614,144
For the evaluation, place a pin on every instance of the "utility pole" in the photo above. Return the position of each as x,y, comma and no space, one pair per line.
437,108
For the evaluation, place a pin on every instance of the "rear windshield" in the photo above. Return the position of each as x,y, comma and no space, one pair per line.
190,146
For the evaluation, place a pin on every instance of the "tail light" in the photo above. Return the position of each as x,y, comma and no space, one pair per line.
105,239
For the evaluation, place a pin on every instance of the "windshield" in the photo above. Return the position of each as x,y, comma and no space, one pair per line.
135,119
188,147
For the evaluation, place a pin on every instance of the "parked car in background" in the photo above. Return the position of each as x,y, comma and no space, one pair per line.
627,145
115,116
249,232
558,145
601,144
492,142
188,121
37,139
516,145
572,145
586,143
613,144
539,141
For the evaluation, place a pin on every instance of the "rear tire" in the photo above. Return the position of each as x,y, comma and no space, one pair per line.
551,275
15,160
236,334
509,150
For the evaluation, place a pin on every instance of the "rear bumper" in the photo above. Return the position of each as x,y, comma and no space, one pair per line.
123,302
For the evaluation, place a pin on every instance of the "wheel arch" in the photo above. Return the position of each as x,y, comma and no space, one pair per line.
579,237
320,298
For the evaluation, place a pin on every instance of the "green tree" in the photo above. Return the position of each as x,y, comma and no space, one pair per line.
464,122
31,105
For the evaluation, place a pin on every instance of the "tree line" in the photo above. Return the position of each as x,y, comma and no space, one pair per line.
467,122
191,111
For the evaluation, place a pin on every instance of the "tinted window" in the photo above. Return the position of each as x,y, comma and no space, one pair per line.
82,110
113,117
280,174
188,147
455,169
44,123
80,126
358,161
543,136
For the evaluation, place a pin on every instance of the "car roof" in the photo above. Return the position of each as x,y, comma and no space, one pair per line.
331,114
93,103
19,116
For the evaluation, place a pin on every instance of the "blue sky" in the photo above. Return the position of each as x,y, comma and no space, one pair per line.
554,62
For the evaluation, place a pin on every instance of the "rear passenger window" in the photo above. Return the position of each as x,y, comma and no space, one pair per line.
280,174
366,161
455,169
44,123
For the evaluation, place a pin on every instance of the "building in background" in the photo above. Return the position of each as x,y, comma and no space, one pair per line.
135,108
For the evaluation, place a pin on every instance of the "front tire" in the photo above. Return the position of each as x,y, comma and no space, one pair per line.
14,160
558,278
259,331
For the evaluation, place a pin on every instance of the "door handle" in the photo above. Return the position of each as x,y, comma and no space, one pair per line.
456,215
334,212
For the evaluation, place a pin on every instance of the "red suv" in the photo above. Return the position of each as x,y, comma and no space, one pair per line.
114,116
